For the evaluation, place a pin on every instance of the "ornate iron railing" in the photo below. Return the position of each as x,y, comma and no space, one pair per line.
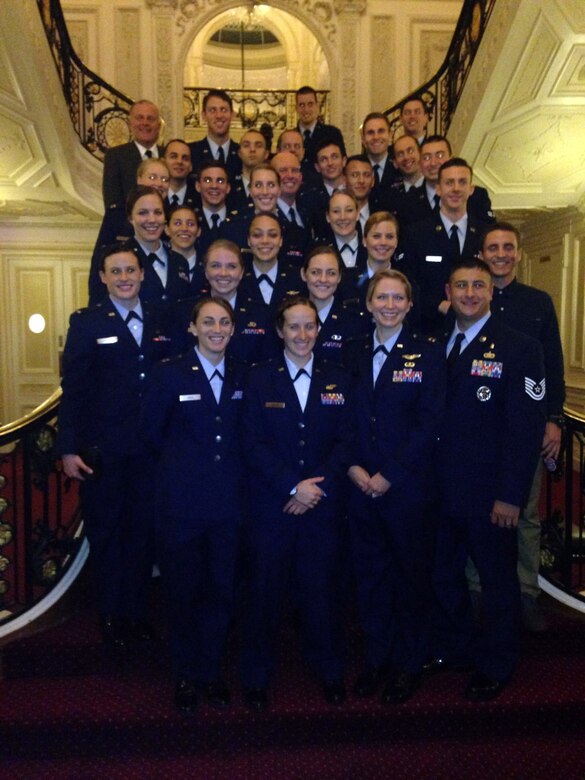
99,112
253,107
563,541
40,522
441,93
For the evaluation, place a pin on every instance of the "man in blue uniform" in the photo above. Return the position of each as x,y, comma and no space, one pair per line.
434,245
109,352
311,127
530,311
489,445
217,145
423,199
296,443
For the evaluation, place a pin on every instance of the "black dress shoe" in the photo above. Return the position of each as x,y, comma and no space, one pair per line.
141,631
368,682
437,665
186,696
480,687
256,699
334,693
400,688
217,693
114,631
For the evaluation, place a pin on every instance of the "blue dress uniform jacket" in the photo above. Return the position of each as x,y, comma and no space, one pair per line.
199,498
151,289
284,445
489,446
531,311
177,286
321,132
397,424
342,324
288,283
424,241
417,206
104,372
201,152
254,338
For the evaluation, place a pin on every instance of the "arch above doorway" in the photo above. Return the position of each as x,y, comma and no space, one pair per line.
334,23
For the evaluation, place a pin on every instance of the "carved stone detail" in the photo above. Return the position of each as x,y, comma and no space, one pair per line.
165,87
350,6
383,61
433,48
128,51
321,12
79,34
162,3
346,85
15,151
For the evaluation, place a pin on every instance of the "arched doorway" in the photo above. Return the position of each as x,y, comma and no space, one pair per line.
260,54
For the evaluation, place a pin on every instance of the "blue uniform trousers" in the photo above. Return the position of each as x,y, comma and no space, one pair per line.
392,551
303,553
119,523
493,648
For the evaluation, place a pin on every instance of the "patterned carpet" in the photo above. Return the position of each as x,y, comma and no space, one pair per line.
71,708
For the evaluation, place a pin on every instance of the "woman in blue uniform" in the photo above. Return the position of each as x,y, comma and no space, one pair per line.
297,433
380,241
254,338
400,383
166,273
322,274
343,232
190,417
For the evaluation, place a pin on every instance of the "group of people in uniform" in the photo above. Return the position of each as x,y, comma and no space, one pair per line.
263,398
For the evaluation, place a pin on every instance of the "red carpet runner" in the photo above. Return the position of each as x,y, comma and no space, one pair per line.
71,708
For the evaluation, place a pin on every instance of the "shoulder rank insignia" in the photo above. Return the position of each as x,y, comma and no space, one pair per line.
534,389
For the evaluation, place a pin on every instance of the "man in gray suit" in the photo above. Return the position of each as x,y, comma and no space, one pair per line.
121,161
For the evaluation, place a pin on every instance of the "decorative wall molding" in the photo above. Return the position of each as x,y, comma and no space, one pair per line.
128,51
320,13
382,61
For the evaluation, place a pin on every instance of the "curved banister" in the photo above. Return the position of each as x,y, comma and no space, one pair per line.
50,405
441,92
98,111
563,533
42,547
